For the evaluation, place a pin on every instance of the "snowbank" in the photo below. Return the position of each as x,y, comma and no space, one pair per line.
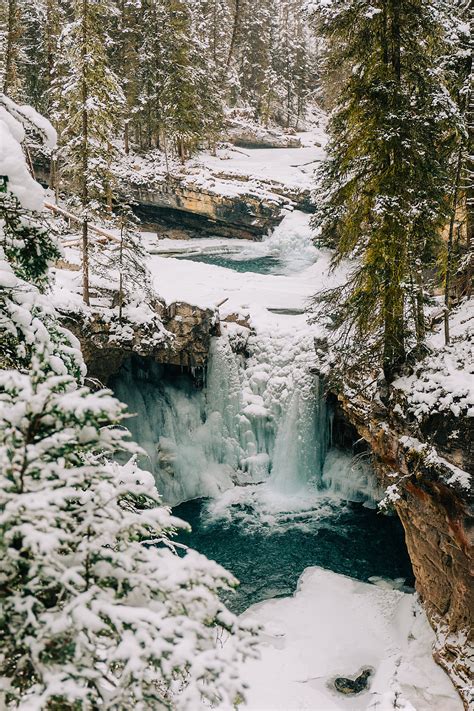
444,380
13,164
335,626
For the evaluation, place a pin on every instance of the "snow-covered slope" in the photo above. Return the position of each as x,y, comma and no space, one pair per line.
444,380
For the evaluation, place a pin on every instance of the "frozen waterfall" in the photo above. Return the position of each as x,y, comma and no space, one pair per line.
256,418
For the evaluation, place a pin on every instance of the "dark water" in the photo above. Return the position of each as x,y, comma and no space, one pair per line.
259,265
268,561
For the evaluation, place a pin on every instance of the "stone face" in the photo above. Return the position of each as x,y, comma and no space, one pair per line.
246,138
350,687
180,336
437,518
243,216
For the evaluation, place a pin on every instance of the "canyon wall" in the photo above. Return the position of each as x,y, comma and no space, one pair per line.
179,335
426,464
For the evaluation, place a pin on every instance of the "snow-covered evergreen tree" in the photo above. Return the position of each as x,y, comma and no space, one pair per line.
11,48
96,608
378,199
88,111
123,262
180,93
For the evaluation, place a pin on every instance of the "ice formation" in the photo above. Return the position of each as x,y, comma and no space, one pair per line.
258,418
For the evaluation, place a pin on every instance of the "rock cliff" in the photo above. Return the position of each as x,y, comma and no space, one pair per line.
175,202
425,465
179,334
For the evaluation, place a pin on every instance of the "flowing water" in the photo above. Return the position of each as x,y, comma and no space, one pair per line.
256,264
268,554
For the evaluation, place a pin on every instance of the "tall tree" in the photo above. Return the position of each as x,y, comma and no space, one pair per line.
457,62
88,111
12,48
383,191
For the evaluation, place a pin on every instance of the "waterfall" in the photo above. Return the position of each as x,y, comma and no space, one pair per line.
351,478
258,418
302,438
186,448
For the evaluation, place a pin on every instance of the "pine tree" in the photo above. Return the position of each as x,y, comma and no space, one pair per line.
88,111
123,262
125,59
190,105
11,14
96,608
26,251
383,194
457,62
255,57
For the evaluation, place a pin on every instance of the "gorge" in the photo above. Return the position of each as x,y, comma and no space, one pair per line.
244,443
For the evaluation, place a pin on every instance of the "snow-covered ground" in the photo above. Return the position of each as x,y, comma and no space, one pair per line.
444,380
266,173
293,167
249,294
336,626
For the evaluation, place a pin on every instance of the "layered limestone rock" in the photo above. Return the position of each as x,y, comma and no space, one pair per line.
258,137
178,335
425,466
244,215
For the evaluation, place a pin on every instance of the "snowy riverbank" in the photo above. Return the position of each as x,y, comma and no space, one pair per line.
335,626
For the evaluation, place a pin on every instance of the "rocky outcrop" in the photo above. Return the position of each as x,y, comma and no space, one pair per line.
178,335
199,209
248,137
424,465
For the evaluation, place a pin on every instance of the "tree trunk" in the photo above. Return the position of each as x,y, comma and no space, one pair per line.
394,300
394,323
469,178
449,260
85,158
235,32
126,139
120,295
13,35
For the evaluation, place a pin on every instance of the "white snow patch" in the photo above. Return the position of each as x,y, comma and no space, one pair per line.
335,626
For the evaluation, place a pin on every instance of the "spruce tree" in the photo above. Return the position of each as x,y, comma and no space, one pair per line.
191,109
383,191
96,608
12,52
